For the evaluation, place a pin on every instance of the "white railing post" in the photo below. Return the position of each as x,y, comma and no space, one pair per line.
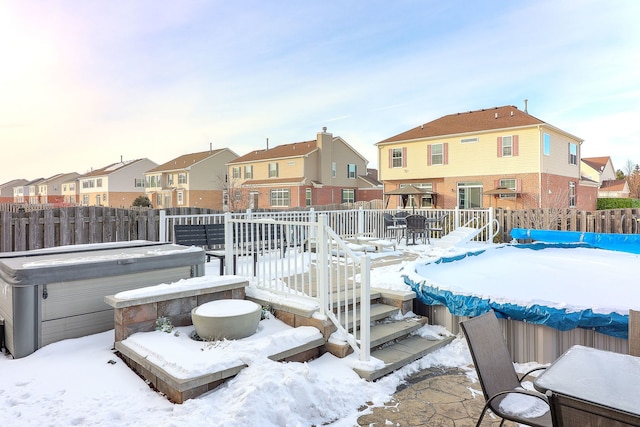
456,216
163,227
228,244
491,216
365,307
360,224
322,249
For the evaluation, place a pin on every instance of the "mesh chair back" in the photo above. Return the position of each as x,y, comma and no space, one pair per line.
490,354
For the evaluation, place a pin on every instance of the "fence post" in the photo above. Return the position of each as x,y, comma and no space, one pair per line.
456,216
163,227
365,307
360,225
322,248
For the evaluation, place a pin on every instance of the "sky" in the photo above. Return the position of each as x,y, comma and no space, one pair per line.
85,84
76,382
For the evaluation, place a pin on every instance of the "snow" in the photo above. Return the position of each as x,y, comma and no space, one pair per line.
82,382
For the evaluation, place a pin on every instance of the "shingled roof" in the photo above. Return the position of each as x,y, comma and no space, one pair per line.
281,151
473,121
184,161
597,163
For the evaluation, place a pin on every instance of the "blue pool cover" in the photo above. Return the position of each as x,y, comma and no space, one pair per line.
611,241
613,324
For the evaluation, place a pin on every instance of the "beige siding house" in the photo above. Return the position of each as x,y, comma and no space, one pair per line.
196,180
323,171
116,185
50,190
7,189
601,170
500,157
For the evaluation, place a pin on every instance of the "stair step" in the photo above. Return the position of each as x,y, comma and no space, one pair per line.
377,312
402,353
382,333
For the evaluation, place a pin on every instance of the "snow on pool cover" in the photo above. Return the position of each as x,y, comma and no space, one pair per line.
563,286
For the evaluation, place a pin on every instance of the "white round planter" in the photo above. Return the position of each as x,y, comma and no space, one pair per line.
226,319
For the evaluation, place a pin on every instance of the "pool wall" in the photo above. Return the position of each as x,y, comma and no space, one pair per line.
527,341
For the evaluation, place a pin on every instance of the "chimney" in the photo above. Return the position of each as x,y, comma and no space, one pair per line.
525,106
267,143
210,147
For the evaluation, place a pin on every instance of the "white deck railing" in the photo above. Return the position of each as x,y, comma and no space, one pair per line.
302,255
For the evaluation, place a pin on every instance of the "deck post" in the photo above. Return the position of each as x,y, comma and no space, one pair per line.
322,249
163,226
365,308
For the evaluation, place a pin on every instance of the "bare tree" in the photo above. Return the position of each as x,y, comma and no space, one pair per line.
633,180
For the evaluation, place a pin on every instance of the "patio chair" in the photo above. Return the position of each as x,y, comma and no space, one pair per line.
496,373
416,227
393,227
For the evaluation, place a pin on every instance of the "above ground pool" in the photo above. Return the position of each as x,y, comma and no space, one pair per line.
562,285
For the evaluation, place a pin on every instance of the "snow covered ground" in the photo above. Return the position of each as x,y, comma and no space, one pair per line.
82,382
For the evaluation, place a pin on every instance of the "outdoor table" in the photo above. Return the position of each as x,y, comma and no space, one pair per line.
605,385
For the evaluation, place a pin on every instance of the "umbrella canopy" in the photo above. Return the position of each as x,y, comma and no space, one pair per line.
405,192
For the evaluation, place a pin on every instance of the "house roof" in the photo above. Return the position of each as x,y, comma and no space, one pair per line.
596,163
613,185
113,167
184,161
473,121
369,180
296,149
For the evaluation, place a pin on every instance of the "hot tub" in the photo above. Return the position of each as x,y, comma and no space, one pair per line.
47,295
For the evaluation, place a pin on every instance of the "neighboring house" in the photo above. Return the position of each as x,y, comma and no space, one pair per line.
197,179
598,169
116,185
500,157
601,170
323,171
50,189
26,192
70,194
7,192
614,188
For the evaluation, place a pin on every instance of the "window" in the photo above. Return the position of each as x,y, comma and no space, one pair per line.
307,197
182,178
507,146
351,171
572,194
85,199
180,197
468,140
334,170
138,182
437,154
158,199
573,154
348,195
280,197
248,172
97,200
398,156
509,183
99,182
235,172
546,138
273,170
170,179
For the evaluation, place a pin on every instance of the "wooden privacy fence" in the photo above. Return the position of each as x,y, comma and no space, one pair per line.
623,221
92,224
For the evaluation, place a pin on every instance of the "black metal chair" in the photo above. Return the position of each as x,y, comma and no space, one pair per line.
416,227
497,375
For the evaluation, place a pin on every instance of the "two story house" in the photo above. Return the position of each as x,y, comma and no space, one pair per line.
50,189
26,192
323,171
7,189
601,170
500,157
196,179
115,185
